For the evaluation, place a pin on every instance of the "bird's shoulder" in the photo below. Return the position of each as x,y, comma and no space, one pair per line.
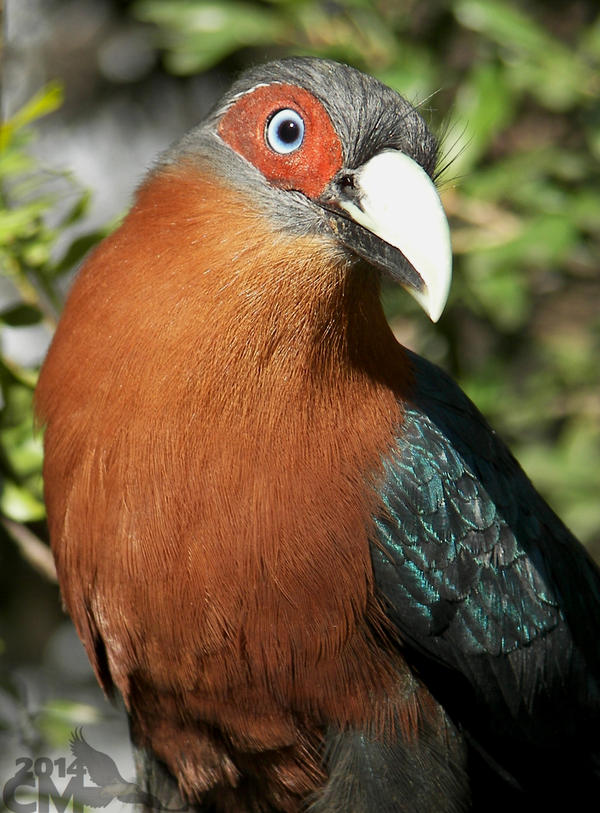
471,562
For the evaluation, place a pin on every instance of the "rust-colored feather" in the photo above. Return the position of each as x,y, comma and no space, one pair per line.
217,398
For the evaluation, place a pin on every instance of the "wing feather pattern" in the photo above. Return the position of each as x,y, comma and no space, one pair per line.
496,604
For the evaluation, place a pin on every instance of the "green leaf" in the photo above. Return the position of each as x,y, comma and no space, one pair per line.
568,472
13,374
78,210
21,315
19,504
483,106
18,399
22,222
57,719
15,162
531,54
199,34
413,74
22,448
506,24
45,101
77,251
503,293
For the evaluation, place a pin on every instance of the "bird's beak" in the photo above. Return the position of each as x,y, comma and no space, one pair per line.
388,212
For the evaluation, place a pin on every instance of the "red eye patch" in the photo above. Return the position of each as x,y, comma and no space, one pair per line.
307,169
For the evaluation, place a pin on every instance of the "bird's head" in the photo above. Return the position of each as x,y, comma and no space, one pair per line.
323,149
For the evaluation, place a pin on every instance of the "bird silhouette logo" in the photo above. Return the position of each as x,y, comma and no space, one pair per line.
104,773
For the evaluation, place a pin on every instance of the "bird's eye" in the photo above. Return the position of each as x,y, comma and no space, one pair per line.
285,131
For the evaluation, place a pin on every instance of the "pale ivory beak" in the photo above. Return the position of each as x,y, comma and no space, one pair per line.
396,200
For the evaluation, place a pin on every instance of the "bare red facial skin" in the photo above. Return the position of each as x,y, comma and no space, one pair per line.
307,169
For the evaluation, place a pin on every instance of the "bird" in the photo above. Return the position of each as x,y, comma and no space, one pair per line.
104,773
315,575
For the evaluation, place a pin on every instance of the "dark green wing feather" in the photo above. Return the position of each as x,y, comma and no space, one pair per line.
497,605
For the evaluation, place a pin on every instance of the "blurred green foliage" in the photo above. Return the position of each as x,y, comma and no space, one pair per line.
33,264
513,88
30,296
25,242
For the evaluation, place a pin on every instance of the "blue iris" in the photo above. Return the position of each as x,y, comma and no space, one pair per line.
285,131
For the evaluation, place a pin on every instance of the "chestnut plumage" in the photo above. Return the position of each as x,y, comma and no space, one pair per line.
315,575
